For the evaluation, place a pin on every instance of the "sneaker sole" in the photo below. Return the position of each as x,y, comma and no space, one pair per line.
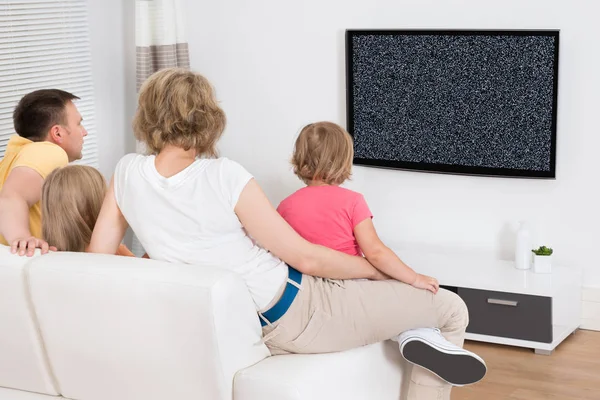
455,368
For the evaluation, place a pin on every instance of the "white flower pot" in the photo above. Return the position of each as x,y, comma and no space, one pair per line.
542,264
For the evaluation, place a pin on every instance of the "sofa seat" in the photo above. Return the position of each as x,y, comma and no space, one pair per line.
104,327
370,372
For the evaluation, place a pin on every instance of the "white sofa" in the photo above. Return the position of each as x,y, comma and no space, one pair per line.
101,327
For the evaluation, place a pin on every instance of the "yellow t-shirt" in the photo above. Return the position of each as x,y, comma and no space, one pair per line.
43,157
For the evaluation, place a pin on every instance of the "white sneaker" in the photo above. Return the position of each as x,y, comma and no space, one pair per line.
427,348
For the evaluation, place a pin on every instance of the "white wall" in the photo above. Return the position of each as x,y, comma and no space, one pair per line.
279,65
112,38
113,68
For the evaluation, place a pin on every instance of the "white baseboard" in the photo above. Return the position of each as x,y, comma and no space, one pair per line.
590,308
590,324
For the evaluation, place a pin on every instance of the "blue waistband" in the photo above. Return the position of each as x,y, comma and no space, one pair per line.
288,296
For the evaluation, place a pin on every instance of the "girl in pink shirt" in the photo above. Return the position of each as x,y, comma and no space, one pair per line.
326,214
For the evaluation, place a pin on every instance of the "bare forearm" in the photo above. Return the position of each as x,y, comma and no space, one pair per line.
267,227
327,263
389,263
14,219
103,247
110,227
106,238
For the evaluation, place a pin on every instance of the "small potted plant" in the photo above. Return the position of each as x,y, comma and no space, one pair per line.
542,260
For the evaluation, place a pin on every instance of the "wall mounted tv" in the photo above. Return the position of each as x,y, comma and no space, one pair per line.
454,101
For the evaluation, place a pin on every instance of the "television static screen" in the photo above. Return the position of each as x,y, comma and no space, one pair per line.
448,102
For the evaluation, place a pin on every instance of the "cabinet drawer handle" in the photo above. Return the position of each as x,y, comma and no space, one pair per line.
503,302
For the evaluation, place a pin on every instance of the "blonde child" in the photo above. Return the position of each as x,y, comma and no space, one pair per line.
326,214
71,200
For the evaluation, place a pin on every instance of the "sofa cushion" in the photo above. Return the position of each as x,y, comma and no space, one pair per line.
370,372
23,364
129,328
14,394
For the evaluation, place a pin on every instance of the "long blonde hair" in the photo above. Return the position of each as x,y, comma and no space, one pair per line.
71,200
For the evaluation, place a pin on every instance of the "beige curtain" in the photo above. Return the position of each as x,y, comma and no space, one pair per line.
159,36
160,43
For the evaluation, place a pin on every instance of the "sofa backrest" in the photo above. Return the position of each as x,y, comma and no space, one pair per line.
128,328
23,363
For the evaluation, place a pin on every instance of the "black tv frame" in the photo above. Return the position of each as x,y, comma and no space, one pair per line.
447,168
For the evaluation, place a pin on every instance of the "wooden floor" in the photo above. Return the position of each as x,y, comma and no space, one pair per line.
571,372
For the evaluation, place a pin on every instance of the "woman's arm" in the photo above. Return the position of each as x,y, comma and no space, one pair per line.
264,223
110,227
384,259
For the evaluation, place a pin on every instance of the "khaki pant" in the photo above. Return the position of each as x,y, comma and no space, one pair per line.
334,315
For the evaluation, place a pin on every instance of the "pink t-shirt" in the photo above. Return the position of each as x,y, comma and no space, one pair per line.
326,215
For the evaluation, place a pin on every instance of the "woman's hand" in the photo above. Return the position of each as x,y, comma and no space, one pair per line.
427,283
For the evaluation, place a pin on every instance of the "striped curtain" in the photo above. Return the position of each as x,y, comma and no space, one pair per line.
159,37
160,43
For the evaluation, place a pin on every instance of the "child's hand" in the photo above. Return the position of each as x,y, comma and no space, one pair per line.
426,282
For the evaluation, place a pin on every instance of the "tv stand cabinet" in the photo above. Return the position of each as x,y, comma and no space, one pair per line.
506,305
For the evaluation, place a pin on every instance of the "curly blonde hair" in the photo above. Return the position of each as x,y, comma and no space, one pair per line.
323,152
178,107
72,197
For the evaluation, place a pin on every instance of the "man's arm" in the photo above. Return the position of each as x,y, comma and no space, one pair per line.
22,189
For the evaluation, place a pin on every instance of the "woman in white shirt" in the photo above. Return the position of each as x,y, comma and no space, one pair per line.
187,205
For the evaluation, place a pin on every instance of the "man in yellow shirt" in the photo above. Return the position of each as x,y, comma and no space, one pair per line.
49,136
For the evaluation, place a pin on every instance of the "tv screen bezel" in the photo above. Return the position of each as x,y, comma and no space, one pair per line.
448,168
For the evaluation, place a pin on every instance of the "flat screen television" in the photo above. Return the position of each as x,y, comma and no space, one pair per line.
454,101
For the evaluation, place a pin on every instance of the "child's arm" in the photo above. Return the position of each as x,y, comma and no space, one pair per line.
385,260
267,227
124,251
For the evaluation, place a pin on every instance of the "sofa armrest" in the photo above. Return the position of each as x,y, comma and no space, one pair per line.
122,328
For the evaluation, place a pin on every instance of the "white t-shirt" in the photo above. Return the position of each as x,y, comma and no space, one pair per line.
189,218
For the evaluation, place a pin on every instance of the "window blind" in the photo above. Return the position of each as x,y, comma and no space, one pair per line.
45,44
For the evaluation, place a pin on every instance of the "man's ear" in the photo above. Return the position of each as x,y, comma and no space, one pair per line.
55,134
